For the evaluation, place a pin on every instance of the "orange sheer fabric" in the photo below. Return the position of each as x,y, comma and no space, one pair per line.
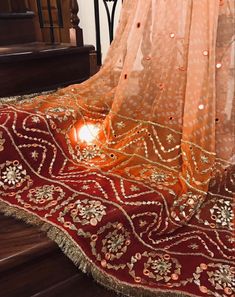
162,105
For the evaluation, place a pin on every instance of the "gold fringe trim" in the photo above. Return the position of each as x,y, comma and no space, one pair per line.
74,253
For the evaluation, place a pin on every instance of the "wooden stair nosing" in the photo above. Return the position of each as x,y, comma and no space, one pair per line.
29,55
16,15
24,256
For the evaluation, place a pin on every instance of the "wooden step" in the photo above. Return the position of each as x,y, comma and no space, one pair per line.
77,286
35,67
17,27
21,243
31,265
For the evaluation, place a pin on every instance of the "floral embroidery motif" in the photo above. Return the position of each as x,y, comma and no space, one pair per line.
14,174
42,194
35,119
222,213
170,138
162,268
223,277
134,188
116,242
85,187
90,152
204,159
90,212
2,141
43,197
34,155
193,246
120,125
158,176
61,113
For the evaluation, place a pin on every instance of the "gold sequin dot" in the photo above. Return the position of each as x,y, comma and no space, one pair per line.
103,263
128,242
212,225
107,256
137,279
218,65
138,256
94,237
203,289
67,224
93,222
172,35
205,53
174,276
146,272
228,291
167,257
203,266
161,86
148,58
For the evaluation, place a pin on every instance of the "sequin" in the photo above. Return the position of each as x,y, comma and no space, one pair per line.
205,53
203,266
218,65
201,107
137,279
175,276
228,291
172,35
203,289
104,263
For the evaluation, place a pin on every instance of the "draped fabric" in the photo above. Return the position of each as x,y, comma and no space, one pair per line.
132,172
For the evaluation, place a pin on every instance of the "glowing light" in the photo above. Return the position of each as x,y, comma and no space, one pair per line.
88,132
201,106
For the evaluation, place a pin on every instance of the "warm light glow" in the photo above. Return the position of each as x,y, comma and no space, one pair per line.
88,132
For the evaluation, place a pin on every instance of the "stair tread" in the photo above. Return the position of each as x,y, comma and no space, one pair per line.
32,47
46,271
77,286
39,49
21,243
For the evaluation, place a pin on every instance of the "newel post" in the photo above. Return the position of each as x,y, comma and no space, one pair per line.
76,35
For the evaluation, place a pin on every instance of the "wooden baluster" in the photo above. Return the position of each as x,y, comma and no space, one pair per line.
76,34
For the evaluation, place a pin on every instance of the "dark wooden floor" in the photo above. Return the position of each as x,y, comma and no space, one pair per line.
31,265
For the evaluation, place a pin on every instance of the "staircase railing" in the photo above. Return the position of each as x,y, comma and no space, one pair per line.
111,13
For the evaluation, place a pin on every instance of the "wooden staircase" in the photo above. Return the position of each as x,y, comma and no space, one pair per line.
31,265
29,61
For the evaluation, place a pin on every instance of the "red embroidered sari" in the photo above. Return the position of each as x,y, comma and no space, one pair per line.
132,172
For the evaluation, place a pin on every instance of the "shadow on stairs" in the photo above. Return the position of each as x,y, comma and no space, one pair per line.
31,265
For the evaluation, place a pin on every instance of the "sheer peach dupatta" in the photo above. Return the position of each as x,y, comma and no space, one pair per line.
164,101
